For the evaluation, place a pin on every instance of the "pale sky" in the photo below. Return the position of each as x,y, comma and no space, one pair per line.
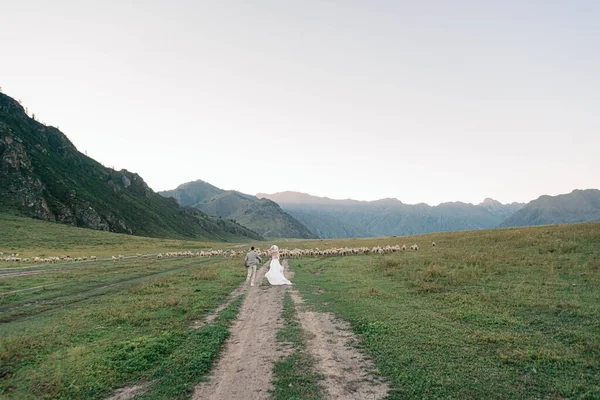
425,101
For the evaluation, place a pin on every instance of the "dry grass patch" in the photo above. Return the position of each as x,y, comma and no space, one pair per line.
370,291
204,275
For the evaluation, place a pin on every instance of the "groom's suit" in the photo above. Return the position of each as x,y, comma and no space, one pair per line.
251,261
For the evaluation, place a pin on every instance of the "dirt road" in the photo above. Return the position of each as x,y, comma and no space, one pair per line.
348,373
244,370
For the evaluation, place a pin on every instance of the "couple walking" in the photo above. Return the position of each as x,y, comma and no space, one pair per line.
275,274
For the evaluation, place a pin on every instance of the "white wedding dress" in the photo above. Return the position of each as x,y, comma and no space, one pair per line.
275,274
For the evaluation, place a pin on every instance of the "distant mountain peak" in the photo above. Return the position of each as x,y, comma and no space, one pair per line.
388,200
488,201
259,214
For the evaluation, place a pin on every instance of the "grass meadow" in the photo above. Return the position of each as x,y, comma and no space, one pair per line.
499,314
108,325
96,326
34,238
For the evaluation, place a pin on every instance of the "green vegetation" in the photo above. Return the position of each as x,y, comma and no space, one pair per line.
106,325
182,370
43,175
503,314
261,215
34,238
295,377
506,314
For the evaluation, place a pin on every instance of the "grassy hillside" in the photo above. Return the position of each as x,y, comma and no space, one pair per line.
191,193
577,206
497,314
226,204
44,176
271,220
262,216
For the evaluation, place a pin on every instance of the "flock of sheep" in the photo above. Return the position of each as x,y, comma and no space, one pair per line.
289,253
188,253
50,259
342,251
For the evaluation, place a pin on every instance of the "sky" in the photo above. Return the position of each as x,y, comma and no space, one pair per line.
424,101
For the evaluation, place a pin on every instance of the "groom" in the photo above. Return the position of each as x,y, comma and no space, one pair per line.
251,261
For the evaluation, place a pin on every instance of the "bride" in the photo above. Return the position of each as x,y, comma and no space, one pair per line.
275,274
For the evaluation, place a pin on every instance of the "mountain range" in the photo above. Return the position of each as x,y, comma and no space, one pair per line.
44,176
574,207
329,218
261,215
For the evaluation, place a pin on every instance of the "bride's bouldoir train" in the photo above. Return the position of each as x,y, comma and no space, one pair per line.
275,274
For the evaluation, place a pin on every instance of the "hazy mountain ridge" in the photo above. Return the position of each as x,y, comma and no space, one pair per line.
577,206
331,218
43,175
261,215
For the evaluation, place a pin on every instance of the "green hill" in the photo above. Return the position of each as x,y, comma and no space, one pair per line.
191,193
42,175
577,206
261,215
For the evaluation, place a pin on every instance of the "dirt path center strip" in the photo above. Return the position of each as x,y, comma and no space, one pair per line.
349,374
244,370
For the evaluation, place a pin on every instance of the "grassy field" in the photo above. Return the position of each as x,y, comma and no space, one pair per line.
503,314
34,238
105,325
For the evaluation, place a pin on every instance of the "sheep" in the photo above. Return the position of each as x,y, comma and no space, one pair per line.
284,253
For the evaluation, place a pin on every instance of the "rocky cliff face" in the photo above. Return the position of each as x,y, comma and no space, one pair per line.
24,190
14,167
